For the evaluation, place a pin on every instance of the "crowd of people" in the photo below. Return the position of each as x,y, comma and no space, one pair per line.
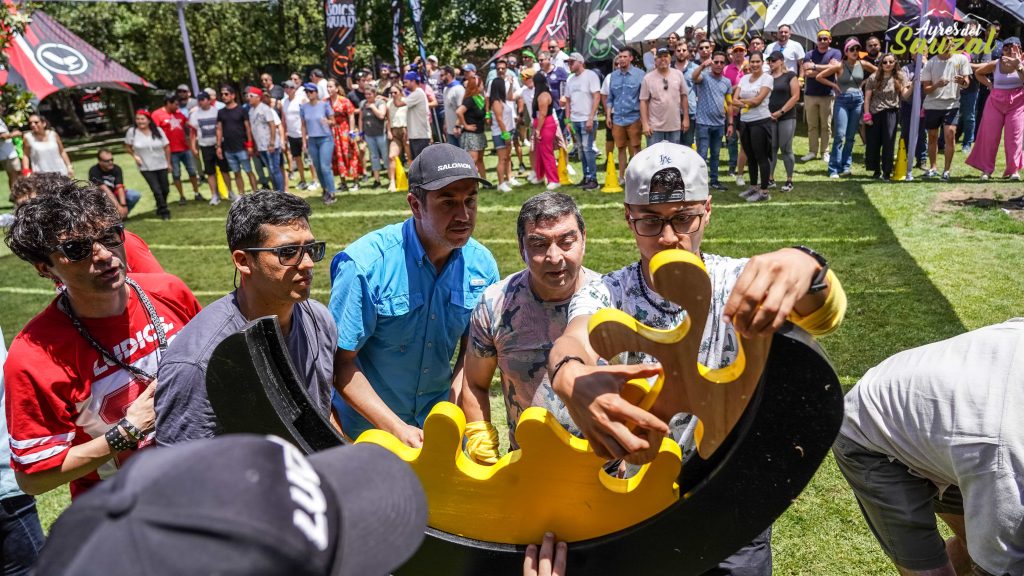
418,312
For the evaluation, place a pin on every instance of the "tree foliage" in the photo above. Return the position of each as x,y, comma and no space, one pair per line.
234,41
16,102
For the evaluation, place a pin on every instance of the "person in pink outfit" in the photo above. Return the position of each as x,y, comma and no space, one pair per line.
1004,111
545,130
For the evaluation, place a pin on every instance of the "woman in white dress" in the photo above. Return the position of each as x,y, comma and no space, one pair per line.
45,150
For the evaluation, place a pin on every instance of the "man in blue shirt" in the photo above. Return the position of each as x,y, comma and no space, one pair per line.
402,297
623,114
711,86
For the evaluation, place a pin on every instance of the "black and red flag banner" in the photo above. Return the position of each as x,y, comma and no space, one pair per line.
340,32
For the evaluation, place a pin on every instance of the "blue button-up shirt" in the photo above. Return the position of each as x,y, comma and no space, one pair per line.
624,95
403,317
711,91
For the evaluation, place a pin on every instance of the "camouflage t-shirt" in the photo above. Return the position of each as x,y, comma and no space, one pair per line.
518,328
625,290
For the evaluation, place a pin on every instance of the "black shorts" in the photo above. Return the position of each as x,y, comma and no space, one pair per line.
211,162
295,146
934,119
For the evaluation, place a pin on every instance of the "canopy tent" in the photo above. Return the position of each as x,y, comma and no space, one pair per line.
841,17
48,57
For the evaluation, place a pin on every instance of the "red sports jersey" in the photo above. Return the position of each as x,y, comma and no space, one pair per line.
61,392
173,126
138,257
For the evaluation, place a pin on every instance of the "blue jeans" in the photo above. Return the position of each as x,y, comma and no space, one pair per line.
272,160
321,150
131,198
21,536
587,154
378,146
846,113
452,139
710,137
691,134
179,158
238,161
969,115
672,136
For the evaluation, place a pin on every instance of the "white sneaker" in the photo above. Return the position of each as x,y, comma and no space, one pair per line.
553,186
513,182
808,157
392,187
215,200
233,197
1015,176
945,176
532,178
746,194
834,176
740,181
824,157
759,196
986,176
504,187
313,186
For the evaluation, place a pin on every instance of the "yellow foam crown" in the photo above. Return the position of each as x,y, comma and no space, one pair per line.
554,482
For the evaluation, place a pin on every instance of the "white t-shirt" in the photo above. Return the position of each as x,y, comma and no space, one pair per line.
293,114
452,101
526,95
263,119
606,85
7,150
951,412
417,118
948,96
793,52
750,88
508,116
149,148
580,89
204,122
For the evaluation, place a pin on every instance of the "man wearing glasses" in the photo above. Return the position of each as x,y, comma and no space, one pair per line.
710,86
108,177
818,97
273,252
668,206
558,57
684,64
81,374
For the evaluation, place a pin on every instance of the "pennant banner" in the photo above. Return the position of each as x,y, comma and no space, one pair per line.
597,27
396,31
340,32
417,24
735,21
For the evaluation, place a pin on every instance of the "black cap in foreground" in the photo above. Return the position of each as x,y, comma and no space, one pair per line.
244,504
441,164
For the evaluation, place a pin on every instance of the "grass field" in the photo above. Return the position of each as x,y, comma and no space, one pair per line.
916,269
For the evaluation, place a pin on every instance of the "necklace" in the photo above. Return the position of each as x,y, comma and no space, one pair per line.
158,327
669,308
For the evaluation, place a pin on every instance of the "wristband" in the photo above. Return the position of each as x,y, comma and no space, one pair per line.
867,116
248,144
506,136
818,283
563,362
117,442
133,431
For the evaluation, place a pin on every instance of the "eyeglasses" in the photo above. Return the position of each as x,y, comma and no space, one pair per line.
225,93
292,254
824,39
33,122
105,160
651,226
853,49
81,248
664,83
888,63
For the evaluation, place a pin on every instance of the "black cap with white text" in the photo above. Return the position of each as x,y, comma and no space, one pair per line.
441,164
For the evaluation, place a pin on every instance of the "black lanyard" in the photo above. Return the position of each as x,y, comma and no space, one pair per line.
158,327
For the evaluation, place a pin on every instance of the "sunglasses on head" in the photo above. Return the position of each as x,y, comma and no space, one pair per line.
292,254
79,249
824,39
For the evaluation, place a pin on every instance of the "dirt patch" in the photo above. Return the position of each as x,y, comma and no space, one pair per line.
990,199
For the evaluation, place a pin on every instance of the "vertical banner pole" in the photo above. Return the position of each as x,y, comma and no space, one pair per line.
188,48
915,108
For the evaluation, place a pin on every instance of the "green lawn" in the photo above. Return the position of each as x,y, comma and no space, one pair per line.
914,274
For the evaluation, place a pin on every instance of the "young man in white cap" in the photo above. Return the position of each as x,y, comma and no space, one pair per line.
583,96
402,298
667,206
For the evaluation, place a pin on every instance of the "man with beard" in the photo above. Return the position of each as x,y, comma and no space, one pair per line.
273,252
402,298
81,374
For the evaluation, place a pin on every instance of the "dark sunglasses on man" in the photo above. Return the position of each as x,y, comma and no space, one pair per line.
292,254
79,249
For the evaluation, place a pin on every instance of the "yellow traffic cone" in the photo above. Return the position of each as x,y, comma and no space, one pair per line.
899,173
563,170
222,188
611,175
401,179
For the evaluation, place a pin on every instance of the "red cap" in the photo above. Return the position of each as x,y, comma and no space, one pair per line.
256,91
144,112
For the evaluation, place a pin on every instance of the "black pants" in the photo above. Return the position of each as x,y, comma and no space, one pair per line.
881,139
416,146
756,139
157,180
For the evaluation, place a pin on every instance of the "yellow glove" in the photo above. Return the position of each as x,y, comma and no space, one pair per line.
482,442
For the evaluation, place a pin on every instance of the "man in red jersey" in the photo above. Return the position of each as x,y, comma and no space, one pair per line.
80,375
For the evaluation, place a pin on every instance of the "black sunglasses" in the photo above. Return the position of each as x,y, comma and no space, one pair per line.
81,248
292,254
